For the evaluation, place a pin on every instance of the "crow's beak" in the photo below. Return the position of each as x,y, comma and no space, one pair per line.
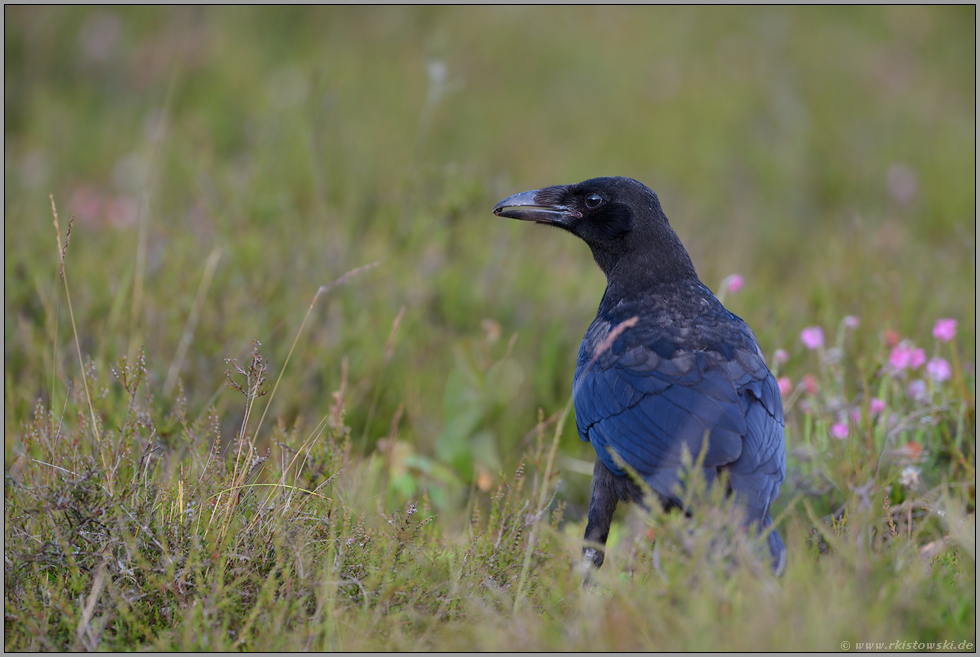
523,206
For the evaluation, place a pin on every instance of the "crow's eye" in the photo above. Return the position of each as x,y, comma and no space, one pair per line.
593,200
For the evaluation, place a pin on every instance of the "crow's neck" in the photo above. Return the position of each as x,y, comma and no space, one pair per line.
645,260
671,282
652,251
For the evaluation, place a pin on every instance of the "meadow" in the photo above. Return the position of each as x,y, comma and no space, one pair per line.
275,377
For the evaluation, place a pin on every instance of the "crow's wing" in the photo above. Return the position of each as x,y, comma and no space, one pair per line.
649,400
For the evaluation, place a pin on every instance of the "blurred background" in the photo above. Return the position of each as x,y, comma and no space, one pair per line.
221,164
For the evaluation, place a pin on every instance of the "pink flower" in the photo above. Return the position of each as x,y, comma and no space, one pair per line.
839,431
899,358
732,283
944,330
810,384
780,356
785,385
877,406
851,322
917,391
812,337
905,355
938,370
856,415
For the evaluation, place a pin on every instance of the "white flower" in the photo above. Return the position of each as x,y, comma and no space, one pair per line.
909,477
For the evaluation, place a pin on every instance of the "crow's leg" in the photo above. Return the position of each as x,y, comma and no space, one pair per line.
605,496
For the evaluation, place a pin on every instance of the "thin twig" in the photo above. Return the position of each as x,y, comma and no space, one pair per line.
56,467
322,290
63,250
84,630
605,345
64,409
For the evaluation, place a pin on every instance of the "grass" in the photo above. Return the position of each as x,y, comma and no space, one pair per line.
211,445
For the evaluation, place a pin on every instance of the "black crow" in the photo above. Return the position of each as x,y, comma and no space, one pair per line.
663,365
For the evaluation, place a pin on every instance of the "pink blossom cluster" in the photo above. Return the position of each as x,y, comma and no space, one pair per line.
905,355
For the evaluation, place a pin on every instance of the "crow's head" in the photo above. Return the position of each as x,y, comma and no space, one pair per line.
619,218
